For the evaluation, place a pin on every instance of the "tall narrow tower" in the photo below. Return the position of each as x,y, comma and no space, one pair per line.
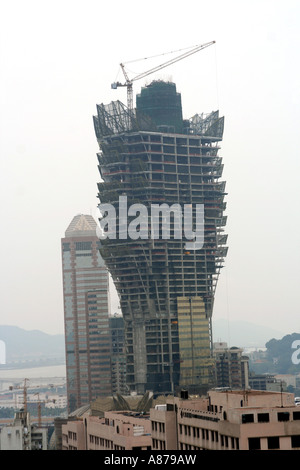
86,308
155,157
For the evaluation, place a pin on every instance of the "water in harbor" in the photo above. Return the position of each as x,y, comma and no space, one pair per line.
36,376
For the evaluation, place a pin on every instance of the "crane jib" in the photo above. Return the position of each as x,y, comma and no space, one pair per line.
129,82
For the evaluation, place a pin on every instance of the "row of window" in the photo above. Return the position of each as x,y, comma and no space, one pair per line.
105,443
224,443
100,441
158,444
265,417
254,443
157,426
272,442
204,434
78,246
145,137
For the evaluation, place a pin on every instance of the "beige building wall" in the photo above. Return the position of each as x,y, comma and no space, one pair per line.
73,436
224,420
163,428
118,431
250,420
115,431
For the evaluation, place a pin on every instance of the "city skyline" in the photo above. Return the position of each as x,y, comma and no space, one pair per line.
49,87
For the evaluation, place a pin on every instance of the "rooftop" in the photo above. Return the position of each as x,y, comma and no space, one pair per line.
81,226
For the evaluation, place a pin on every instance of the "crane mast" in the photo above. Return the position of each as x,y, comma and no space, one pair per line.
129,82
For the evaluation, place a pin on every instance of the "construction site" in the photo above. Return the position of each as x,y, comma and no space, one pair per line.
153,155
30,428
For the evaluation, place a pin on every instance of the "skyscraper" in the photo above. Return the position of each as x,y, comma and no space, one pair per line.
118,359
86,313
149,157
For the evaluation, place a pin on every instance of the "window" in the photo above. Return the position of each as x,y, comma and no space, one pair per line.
295,441
254,443
283,416
263,417
296,415
273,442
83,245
248,418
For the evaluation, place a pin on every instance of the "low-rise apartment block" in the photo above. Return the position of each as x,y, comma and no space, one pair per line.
227,420
22,434
231,367
123,430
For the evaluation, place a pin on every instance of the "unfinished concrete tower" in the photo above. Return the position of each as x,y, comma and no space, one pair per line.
153,156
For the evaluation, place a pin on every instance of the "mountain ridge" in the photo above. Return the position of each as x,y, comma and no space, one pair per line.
27,345
243,334
23,345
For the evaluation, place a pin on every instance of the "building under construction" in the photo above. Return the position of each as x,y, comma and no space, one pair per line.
154,157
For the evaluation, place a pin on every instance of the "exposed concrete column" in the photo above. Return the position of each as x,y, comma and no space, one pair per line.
140,357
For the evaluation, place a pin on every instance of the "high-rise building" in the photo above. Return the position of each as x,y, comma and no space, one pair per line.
231,367
152,158
118,358
86,314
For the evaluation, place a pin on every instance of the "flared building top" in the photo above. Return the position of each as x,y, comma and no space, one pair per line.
158,109
153,157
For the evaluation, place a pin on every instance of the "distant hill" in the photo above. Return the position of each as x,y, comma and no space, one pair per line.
33,345
243,334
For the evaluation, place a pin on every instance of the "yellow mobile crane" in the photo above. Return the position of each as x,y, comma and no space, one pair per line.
129,82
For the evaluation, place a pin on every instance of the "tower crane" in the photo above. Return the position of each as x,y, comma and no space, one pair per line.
24,387
129,82
39,407
39,410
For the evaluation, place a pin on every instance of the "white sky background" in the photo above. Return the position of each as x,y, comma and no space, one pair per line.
58,60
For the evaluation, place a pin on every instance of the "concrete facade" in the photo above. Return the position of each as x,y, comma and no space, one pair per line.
73,436
115,431
231,420
147,159
231,367
22,435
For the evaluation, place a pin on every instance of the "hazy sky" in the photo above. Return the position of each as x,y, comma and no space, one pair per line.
58,60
